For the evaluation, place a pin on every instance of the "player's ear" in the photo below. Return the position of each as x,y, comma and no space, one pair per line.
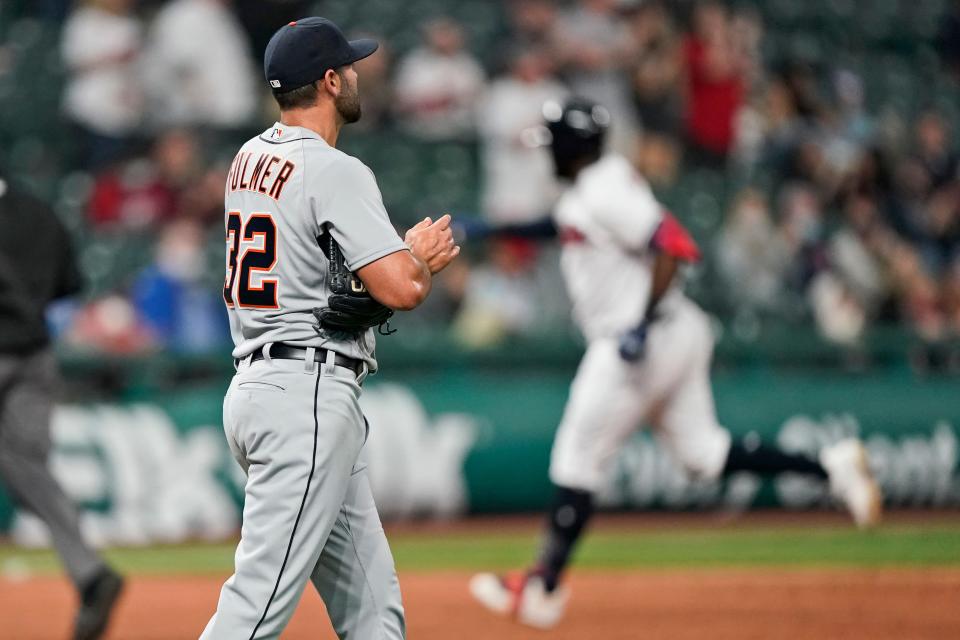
332,82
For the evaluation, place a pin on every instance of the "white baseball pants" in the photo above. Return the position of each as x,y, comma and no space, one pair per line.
669,388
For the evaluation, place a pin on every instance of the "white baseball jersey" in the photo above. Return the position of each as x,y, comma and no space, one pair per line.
606,220
286,188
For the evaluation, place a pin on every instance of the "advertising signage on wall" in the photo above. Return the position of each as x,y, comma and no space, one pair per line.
158,469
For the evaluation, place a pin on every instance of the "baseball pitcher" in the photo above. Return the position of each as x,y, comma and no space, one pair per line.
647,361
313,266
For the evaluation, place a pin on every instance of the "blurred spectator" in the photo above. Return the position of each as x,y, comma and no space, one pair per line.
437,85
181,310
501,297
854,124
911,186
934,150
808,164
845,278
594,46
925,208
658,159
656,70
752,258
838,315
715,84
941,243
532,23
951,297
855,287
916,291
203,201
867,219
518,177
842,133
801,227
803,82
110,325
746,33
101,44
376,95
446,297
857,250
198,67
871,178
767,128
146,191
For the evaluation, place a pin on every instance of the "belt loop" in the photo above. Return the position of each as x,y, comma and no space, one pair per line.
328,362
362,374
266,354
244,362
309,360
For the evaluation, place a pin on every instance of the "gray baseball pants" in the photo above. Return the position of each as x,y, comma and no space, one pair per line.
296,428
28,386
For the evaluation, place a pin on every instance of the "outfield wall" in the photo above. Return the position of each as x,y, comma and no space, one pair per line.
150,463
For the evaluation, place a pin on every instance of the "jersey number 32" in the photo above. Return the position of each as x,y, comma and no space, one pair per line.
258,241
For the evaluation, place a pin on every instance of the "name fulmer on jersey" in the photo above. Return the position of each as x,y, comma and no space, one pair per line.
247,174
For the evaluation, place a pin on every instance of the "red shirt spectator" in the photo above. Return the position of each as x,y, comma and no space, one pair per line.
715,92
715,84
145,191
131,196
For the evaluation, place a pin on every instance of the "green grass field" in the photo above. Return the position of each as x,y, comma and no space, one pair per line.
744,546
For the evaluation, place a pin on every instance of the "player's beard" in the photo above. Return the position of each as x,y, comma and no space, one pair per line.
348,103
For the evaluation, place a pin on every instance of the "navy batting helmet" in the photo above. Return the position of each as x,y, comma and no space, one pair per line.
577,130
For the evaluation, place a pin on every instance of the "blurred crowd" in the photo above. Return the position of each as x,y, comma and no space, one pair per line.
835,213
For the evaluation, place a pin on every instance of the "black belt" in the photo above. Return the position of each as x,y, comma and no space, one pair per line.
282,351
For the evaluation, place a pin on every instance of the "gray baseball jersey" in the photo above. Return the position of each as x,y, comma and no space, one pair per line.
285,189
295,426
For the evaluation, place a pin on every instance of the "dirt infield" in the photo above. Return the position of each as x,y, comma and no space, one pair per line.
741,604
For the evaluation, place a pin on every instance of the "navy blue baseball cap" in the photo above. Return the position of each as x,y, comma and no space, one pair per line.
302,51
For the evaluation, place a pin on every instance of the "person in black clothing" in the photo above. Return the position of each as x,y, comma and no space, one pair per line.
37,266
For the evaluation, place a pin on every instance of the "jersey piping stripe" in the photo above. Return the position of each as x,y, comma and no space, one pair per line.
268,141
303,502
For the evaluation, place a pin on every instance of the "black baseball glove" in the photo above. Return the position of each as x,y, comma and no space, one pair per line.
350,307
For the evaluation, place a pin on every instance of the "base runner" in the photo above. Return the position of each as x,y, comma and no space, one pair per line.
647,362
